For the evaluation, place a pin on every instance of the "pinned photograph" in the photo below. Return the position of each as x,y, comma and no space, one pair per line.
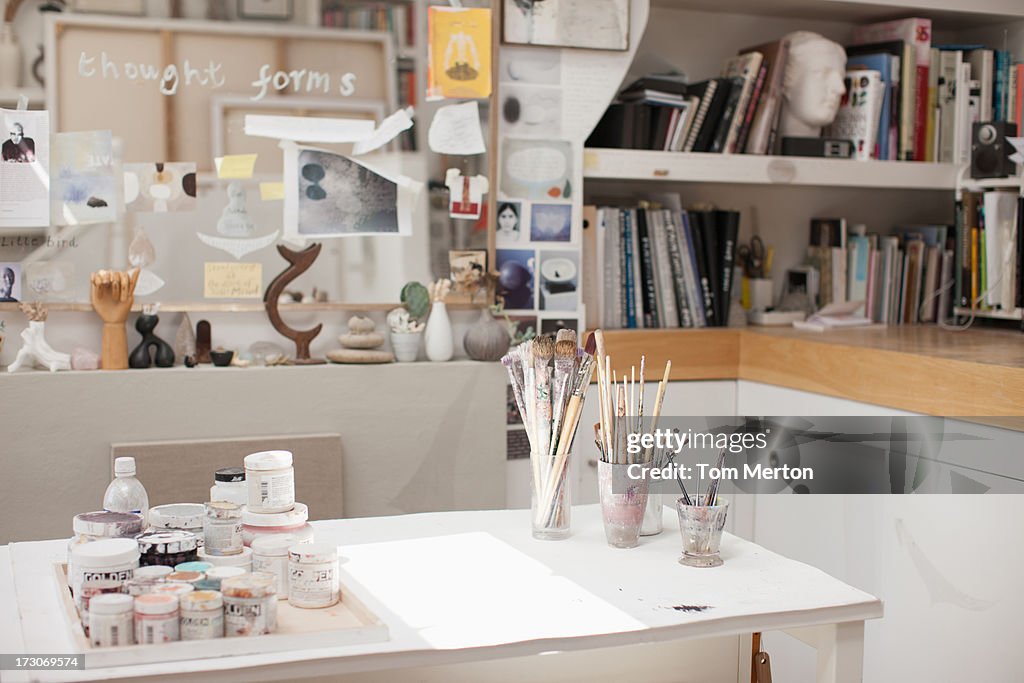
84,187
468,269
536,169
559,280
330,195
529,110
10,282
160,187
593,24
509,228
459,52
551,222
19,148
515,277
25,169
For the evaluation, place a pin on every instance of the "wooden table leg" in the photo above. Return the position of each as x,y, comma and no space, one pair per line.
840,650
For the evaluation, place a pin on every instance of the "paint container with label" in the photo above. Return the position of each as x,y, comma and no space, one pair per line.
190,578
156,619
109,559
175,589
111,620
313,575
270,480
270,554
95,526
215,575
146,579
222,529
93,588
202,615
229,486
242,559
178,517
195,566
294,523
250,605
168,547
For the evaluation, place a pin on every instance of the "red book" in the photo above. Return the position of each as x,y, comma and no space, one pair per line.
918,33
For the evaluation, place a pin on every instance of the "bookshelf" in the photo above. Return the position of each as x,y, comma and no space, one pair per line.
637,164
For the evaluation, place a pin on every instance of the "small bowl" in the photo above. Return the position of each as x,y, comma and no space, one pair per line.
222,359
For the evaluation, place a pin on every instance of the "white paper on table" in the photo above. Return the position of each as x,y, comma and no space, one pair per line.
25,169
387,131
456,130
308,128
348,200
466,194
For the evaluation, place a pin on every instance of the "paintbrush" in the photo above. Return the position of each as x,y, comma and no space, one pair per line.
565,360
712,492
515,372
658,401
542,351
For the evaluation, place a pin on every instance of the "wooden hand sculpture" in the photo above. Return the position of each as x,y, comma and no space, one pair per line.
112,294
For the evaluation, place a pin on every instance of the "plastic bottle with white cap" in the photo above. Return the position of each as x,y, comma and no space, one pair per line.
126,493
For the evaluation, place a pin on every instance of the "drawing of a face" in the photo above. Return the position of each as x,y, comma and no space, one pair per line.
17,133
508,220
7,286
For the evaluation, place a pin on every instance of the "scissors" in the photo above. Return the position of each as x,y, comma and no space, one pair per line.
751,257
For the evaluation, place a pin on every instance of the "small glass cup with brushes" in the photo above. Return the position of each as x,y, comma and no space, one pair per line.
622,470
550,377
701,522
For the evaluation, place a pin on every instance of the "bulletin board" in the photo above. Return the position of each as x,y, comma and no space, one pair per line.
126,62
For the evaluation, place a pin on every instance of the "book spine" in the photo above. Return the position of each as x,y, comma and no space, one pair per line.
646,283
748,119
627,269
677,271
666,283
694,294
1019,257
730,231
725,122
700,116
697,243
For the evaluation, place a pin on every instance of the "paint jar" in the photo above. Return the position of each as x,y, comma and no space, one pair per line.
202,615
96,526
270,555
190,578
551,498
222,528
93,588
293,523
313,575
179,517
169,547
175,589
623,503
156,619
215,575
142,586
270,480
195,566
250,604
242,559
153,571
229,486
112,559
110,620
701,527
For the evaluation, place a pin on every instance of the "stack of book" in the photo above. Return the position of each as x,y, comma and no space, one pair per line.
653,267
907,100
397,17
989,251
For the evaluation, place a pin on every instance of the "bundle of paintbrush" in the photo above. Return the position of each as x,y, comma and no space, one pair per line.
622,409
550,377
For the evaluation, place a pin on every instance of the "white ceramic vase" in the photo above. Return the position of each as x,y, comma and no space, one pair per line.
10,58
438,337
406,345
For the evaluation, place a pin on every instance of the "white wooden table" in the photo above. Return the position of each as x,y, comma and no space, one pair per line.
468,588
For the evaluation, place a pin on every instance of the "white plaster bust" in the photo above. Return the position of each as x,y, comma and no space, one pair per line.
812,85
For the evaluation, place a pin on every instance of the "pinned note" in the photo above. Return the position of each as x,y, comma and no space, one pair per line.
233,280
387,131
235,166
271,192
456,130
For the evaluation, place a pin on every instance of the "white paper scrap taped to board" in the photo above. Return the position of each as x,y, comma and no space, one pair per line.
456,130
387,131
308,128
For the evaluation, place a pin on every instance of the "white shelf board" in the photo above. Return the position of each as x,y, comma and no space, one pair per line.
952,14
997,314
36,96
633,164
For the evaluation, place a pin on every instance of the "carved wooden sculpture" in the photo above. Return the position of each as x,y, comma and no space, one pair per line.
300,262
112,295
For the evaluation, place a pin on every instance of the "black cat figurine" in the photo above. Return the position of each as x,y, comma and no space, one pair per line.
163,354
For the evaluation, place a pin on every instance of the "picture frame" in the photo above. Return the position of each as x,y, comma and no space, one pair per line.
594,25
266,10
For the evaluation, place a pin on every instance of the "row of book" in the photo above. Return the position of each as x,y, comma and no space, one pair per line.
651,267
906,100
989,251
396,17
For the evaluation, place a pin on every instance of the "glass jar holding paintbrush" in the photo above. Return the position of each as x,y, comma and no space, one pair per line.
550,377
701,521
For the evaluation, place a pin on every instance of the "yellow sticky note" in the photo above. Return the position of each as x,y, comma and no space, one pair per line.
235,166
233,280
271,191
591,161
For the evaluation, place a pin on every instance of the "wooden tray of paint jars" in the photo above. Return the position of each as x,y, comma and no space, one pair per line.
350,622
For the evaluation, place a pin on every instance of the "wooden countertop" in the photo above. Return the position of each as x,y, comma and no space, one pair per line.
915,368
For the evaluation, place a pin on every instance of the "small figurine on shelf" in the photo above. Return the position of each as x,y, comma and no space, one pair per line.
360,344
37,352
407,323
112,294
438,336
152,349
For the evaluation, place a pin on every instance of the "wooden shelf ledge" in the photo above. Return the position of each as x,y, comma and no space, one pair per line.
920,369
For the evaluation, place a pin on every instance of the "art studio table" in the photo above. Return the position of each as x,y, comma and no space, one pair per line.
475,590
